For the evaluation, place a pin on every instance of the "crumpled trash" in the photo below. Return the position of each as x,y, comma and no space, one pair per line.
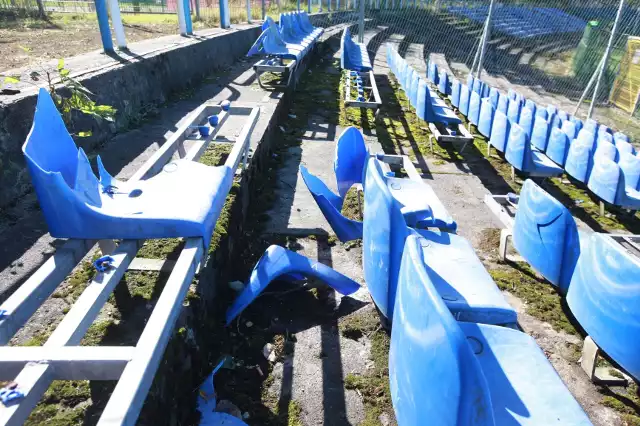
103,263
268,351
10,394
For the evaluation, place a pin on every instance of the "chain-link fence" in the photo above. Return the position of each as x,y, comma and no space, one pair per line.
548,50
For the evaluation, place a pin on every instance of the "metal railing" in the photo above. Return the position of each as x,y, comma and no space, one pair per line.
33,369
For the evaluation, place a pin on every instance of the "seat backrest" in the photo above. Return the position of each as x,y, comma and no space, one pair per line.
513,111
604,137
541,132
433,372
619,136
579,124
474,108
569,128
531,105
470,81
345,59
433,73
503,103
552,110
49,148
383,237
350,159
485,121
579,157
413,91
623,147
494,95
542,112
604,179
443,83
604,296
526,120
630,167
500,131
478,86
545,234
518,151
456,87
465,97
606,150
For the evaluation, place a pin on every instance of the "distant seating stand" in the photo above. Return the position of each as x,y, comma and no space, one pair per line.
360,86
285,46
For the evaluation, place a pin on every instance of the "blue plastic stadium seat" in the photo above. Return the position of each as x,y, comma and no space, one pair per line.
465,98
606,150
541,132
579,158
494,96
579,124
526,120
443,84
541,112
354,56
512,94
466,286
513,111
531,105
289,34
503,103
450,373
560,141
433,74
271,43
604,297
552,110
350,158
560,118
607,181
307,26
432,109
455,92
408,78
474,108
413,91
470,81
618,136
78,205
532,162
485,122
278,262
500,131
478,86
546,236
623,147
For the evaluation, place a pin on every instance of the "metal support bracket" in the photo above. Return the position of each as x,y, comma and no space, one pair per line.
599,375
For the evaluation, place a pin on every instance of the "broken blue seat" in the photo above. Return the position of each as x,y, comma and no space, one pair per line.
459,276
604,297
580,157
546,235
354,56
78,205
270,43
350,158
527,160
608,180
485,121
500,131
560,141
278,262
292,33
450,373
432,109
465,98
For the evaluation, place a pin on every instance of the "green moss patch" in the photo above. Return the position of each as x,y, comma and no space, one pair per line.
625,401
541,298
161,248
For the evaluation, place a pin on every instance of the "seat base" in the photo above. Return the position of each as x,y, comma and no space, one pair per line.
462,281
525,389
543,166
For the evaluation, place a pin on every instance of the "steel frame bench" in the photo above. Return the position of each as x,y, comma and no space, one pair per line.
61,357
372,101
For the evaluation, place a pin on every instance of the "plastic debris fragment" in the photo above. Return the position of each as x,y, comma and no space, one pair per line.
10,394
103,263
3,313
225,105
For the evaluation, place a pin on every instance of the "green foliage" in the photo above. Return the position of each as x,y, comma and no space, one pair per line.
70,94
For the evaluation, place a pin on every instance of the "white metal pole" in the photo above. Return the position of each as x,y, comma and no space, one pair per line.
607,53
487,36
182,22
118,29
361,22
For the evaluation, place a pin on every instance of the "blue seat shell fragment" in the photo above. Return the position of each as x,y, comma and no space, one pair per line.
78,205
278,262
207,403
461,373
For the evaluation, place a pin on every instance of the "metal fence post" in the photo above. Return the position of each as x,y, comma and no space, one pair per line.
225,19
487,36
118,29
361,23
103,24
187,17
197,4
605,59
308,6
182,23
328,5
249,11
298,5
264,9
